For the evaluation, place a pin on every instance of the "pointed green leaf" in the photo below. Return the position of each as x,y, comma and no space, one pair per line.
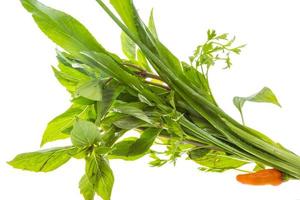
42,161
91,90
134,148
132,110
128,47
84,133
265,95
110,94
100,175
62,28
217,161
57,128
151,25
86,188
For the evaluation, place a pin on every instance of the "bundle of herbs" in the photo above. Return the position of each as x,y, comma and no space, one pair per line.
166,101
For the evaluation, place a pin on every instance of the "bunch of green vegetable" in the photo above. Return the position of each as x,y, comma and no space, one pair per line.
168,102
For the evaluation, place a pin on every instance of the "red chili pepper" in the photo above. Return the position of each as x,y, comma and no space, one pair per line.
262,177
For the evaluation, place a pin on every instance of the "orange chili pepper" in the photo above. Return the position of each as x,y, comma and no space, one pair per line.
262,177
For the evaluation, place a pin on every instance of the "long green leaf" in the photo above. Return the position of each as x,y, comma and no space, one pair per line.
62,28
42,161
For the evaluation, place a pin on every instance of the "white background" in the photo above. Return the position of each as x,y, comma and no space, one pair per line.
30,95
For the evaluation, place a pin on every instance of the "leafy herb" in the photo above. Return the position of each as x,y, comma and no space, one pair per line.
168,101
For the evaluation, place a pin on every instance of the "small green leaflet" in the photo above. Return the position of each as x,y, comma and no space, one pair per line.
100,175
58,127
62,28
134,148
265,95
91,90
44,160
86,188
84,133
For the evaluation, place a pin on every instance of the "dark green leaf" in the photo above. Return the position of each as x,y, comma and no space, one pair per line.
42,161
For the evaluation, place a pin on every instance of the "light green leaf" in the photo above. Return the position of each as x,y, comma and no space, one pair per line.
91,90
151,25
100,175
134,148
42,161
110,94
132,110
217,161
128,47
58,127
69,77
84,133
62,28
265,95
86,188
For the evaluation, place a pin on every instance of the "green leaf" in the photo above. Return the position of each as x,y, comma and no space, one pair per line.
58,127
69,77
132,110
100,175
86,188
129,122
265,95
134,148
62,28
151,25
128,47
42,161
84,133
109,95
91,90
217,161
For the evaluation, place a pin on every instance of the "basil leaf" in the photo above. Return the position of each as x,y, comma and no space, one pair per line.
265,95
57,128
110,94
42,161
69,77
62,28
86,188
91,90
133,111
134,148
217,161
84,134
100,175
